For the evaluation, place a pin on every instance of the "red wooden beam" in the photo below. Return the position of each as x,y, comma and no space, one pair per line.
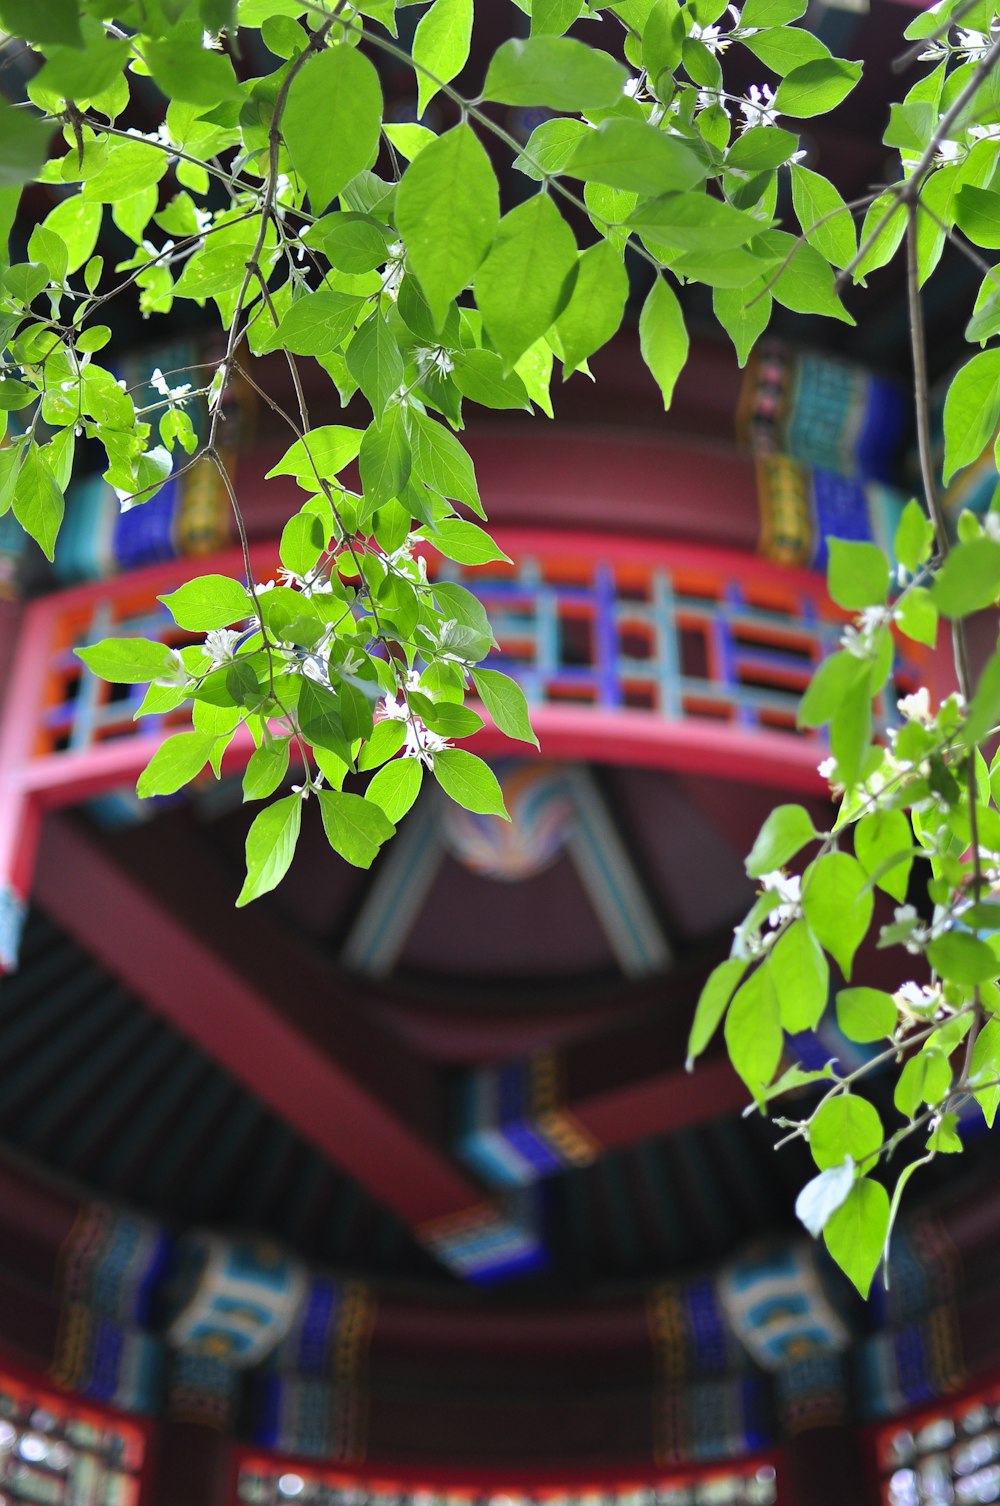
232,982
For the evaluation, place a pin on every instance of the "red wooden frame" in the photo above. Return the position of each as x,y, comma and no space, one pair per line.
470,1481
86,1409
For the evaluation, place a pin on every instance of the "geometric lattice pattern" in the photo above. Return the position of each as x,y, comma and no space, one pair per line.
951,1454
62,1454
264,1483
691,635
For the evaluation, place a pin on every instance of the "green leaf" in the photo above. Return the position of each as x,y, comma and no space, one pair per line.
270,847
663,339
977,213
37,501
844,1126
713,1001
785,48
838,905
523,284
914,538
836,679
858,574
130,167
54,22
744,314
885,221
447,212
465,542
985,320
331,448
479,375
334,98
24,145
396,786
554,71
505,701
963,959
469,782
126,661
632,155
877,838
851,731
175,763
355,827
350,242
662,39
550,147
866,1014
985,1067
78,225
824,216
553,17
817,87
374,361
801,978
266,769
753,1031
805,285
207,602
441,47
80,73
761,148
694,222
320,719
385,458
971,411
303,540
984,711
785,832
969,579
596,305
855,1233
917,616
316,324
442,464
771,12
925,1078
14,394
386,740
198,74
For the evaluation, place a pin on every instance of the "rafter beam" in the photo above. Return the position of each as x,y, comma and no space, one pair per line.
235,983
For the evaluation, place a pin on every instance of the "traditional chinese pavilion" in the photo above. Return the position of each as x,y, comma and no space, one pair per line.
393,1190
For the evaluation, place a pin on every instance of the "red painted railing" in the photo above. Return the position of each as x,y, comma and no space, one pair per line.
630,652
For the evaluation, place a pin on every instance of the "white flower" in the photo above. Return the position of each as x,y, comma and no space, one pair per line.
757,108
392,274
991,526
212,40
160,384
309,585
630,87
315,667
789,889
175,674
948,151
420,742
220,645
916,707
974,44
437,357
826,768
